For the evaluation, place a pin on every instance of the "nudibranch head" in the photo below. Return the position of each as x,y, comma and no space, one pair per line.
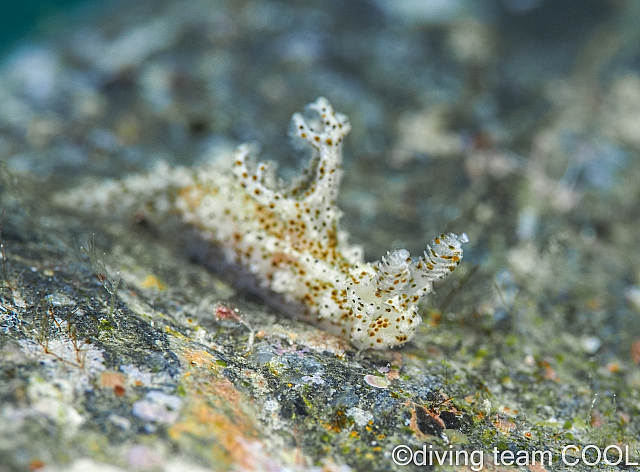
385,306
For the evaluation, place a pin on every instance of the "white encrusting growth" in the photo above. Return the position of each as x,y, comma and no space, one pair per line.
288,236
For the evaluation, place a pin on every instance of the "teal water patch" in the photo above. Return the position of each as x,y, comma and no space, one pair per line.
17,19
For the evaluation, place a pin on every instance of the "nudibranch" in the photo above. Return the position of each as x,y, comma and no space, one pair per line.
288,237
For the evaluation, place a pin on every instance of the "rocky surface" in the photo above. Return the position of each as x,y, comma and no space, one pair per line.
520,127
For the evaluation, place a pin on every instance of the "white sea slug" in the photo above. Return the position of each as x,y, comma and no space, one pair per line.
288,236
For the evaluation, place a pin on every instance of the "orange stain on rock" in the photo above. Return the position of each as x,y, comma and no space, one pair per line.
151,281
112,379
635,351
200,358
215,413
504,425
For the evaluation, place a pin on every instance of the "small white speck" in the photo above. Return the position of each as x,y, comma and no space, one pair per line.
375,381
360,416
315,378
158,407
271,405
590,344
120,421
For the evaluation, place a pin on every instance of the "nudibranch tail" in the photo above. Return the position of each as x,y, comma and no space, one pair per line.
287,238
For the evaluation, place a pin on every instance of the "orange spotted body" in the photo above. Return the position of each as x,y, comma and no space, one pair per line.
288,236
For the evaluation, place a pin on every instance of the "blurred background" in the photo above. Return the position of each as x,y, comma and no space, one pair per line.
515,121
20,19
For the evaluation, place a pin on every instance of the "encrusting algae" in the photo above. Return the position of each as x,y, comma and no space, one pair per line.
287,236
